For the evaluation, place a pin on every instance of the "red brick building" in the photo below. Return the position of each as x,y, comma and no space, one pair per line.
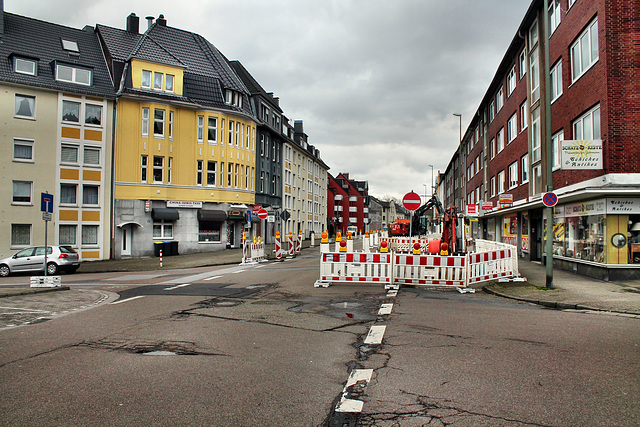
593,93
347,204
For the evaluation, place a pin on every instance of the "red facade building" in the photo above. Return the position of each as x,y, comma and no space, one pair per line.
347,204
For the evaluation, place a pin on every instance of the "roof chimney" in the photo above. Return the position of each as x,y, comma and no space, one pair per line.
161,21
149,21
133,23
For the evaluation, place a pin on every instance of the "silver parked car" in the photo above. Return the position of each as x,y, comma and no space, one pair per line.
59,258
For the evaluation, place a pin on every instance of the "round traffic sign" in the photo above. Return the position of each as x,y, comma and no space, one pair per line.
411,201
262,214
549,199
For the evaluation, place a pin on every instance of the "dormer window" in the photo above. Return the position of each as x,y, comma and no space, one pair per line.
25,66
233,97
70,46
67,73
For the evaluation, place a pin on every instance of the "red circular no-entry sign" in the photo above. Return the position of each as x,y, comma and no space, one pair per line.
411,201
262,214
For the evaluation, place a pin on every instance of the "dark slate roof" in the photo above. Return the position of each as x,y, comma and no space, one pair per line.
206,70
40,40
252,84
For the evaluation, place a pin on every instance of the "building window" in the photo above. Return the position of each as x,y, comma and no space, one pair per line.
525,168
146,79
587,126
230,175
67,234
168,84
554,15
262,182
75,75
24,66
556,81
158,168
535,136
209,231
584,52
162,230
230,133
556,144
534,75
235,176
89,234
499,99
492,111
68,194
22,192
145,121
500,182
144,166
71,111
199,171
493,186
22,150
247,179
170,124
20,234
158,122
211,173
537,178
70,45
93,114
200,129
221,131
500,140
170,170
513,175
25,106
222,170
212,132
237,134
522,61
523,116
512,127
69,154
493,147
533,34
511,81
157,81
90,194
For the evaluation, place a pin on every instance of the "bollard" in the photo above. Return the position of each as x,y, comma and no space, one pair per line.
291,247
160,257
244,248
278,247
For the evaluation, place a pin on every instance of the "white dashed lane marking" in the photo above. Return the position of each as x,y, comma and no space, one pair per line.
127,300
177,287
362,376
385,309
375,335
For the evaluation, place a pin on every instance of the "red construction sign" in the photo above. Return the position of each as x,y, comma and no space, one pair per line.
411,201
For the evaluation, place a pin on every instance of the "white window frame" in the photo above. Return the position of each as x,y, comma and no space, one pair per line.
144,168
13,193
88,149
556,144
160,168
157,86
76,75
512,128
586,40
556,80
145,121
212,172
212,129
97,194
493,186
522,63
200,127
513,175
553,15
500,140
524,162
67,185
588,125
18,66
511,81
500,180
22,142
524,121
165,227
536,136
499,99
31,100
534,75
171,115
160,120
14,243
169,88
199,172
147,74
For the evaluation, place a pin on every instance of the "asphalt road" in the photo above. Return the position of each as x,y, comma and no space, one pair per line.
259,345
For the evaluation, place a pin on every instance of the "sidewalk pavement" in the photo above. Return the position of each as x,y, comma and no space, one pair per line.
571,291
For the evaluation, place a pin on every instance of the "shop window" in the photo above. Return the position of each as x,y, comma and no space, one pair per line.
162,229
209,231
580,237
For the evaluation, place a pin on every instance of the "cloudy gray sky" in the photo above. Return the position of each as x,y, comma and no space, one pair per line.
375,82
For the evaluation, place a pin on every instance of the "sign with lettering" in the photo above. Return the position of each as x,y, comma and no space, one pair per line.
580,154
505,200
592,207
183,204
620,205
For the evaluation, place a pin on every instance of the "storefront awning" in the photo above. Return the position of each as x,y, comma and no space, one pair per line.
211,215
122,224
167,214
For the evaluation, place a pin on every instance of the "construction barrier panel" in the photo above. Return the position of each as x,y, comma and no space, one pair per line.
257,252
433,270
344,267
496,264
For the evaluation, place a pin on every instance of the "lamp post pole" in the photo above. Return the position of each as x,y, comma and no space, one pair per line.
549,151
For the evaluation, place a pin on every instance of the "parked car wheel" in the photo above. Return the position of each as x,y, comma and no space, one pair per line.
52,269
4,271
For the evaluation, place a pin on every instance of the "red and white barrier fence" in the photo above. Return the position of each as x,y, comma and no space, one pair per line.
345,267
430,270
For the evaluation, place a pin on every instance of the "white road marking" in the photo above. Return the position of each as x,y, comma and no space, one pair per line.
392,293
127,300
213,277
375,334
177,286
385,309
352,405
239,271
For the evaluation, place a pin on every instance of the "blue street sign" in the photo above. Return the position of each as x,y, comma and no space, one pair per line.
46,202
549,199
248,215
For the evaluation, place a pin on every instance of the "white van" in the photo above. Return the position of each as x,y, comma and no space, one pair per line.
352,229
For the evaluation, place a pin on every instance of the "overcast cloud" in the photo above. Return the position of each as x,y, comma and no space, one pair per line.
375,82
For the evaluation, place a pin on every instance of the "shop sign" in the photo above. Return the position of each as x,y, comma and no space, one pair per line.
623,206
592,207
183,204
505,200
472,210
579,154
486,206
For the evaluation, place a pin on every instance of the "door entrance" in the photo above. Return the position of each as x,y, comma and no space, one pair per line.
126,241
